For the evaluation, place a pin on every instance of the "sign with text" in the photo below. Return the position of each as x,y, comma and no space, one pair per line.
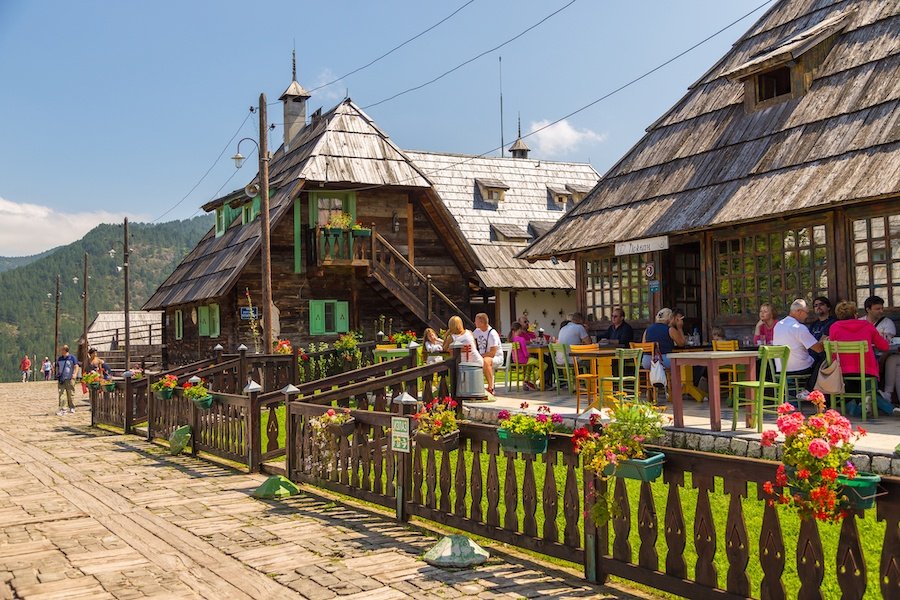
246,315
645,245
400,434
654,286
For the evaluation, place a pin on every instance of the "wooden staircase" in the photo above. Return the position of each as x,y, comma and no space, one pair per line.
405,287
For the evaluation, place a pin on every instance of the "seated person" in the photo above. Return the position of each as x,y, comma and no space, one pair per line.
874,307
666,333
573,333
457,333
432,346
526,333
488,341
791,332
718,334
850,329
765,328
619,331
523,357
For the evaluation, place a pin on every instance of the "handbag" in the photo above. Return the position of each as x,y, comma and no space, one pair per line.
830,379
657,371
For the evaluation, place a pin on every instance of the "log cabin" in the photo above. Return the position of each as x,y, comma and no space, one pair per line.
407,260
775,177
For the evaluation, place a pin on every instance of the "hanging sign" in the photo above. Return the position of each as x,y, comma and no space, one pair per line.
400,434
645,245
654,286
246,315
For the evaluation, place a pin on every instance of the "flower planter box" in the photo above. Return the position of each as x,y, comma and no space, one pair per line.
361,232
109,387
642,469
861,490
203,403
335,231
94,385
342,429
516,442
447,443
164,394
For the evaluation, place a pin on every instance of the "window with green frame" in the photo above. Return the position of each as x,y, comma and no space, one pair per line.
224,218
250,210
179,324
208,320
617,281
328,317
324,204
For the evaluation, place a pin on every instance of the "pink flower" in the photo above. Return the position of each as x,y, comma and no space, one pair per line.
768,437
503,415
330,412
819,448
557,418
785,408
817,422
789,423
541,418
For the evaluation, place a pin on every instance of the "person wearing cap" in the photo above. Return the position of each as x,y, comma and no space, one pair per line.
667,333
66,372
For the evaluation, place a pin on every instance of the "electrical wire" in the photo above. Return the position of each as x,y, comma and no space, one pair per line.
474,58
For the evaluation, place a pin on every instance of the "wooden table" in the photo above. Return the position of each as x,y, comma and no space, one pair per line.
389,354
712,361
540,350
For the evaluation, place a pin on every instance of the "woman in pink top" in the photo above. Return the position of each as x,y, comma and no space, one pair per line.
522,356
850,329
765,327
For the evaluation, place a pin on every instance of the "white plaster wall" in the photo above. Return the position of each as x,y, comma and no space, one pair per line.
536,303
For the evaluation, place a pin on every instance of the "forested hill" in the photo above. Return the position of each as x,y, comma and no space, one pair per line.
27,313
11,262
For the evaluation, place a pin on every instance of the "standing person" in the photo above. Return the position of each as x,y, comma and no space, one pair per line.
25,367
764,331
874,306
66,372
46,367
488,341
620,331
791,332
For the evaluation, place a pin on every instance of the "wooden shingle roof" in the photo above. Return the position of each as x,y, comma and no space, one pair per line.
502,270
707,162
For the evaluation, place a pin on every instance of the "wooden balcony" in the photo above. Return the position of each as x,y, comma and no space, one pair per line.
343,247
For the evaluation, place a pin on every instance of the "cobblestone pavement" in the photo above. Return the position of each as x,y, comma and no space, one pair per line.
87,514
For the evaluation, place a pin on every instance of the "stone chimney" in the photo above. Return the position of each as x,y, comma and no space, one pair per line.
294,98
519,149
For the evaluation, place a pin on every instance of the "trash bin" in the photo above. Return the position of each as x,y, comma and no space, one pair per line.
470,383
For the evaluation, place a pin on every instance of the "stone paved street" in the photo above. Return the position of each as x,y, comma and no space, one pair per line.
87,514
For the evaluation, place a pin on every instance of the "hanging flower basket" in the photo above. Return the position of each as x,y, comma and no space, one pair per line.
641,469
165,394
335,231
361,233
861,490
109,387
342,429
447,442
203,403
518,442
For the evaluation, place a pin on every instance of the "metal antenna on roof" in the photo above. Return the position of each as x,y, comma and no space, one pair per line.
294,62
502,143
519,115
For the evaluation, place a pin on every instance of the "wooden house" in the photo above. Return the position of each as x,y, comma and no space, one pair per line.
777,176
409,261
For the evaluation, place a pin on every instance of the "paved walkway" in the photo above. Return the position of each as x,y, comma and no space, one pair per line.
85,514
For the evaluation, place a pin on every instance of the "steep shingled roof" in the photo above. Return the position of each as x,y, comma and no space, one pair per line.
707,162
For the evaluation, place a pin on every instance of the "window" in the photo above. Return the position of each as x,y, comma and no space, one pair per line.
772,84
775,267
208,322
220,221
491,190
328,317
876,258
179,324
250,211
322,205
618,281
214,321
494,195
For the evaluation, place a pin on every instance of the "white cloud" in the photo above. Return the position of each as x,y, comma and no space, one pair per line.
561,139
31,228
333,91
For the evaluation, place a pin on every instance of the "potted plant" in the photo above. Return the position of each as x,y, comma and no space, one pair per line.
337,422
359,230
816,468
283,347
198,394
402,338
107,385
524,432
92,380
165,387
347,345
618,450
136,374
437,427
338,222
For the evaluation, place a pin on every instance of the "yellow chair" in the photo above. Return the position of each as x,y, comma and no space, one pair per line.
729,373
587,380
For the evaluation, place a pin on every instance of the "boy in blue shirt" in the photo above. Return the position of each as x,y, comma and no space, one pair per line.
66,372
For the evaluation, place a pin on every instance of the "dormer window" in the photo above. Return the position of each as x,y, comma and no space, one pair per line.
502,232
492,190
559,194
578,191
772,84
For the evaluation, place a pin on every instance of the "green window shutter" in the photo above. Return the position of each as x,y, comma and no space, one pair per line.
246,212
350,205
316,317
221,225
203,320
341,317
298,236
254,212
214,327
179,324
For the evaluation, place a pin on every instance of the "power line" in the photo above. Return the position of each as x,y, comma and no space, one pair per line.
474,58
208,171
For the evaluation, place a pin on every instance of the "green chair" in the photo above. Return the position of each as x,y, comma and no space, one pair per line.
622,382
522,370
763,391
867,385
562,372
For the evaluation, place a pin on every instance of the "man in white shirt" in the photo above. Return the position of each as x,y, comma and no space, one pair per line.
488,342
791,332
573,333
874,306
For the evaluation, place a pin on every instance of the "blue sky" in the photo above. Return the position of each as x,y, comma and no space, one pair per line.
119,108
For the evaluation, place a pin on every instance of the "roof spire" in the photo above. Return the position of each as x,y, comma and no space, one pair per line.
520,124
519,149
294,62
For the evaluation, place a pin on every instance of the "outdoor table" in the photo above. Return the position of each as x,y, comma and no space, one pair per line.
601,364
540,350
389,354
712,361
687,381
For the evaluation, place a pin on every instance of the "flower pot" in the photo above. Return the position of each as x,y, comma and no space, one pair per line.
362,232
203,403
517,442
335,231
94,385
164,394
447,442
642,469
861,490
342,429
109,387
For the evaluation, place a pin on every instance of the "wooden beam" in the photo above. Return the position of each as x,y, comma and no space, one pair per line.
410,228
513,314
497,313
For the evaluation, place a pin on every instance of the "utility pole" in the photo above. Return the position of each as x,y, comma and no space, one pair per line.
264,225
56,321
126,250
84,300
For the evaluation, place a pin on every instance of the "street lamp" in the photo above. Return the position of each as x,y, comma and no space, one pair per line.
124,269
56,319
84,301
263,152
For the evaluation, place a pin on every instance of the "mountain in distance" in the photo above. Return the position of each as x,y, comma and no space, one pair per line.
11,262
27,309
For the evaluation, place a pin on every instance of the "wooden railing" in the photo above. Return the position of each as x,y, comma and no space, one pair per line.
411,287
344,247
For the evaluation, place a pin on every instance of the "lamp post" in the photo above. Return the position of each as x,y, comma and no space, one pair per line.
84,314
266,251
56,319
126,251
